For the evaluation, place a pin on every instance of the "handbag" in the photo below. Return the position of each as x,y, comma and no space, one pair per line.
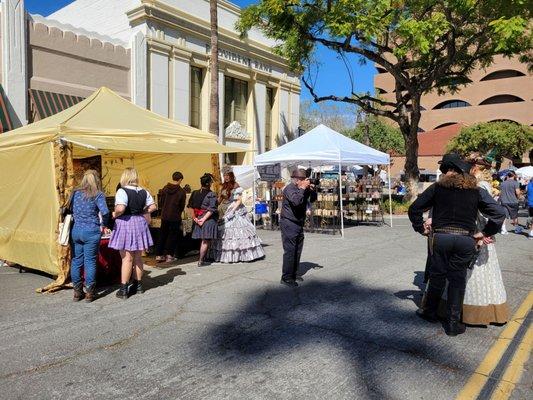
66,225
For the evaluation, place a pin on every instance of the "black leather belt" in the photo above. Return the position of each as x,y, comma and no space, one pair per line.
453,231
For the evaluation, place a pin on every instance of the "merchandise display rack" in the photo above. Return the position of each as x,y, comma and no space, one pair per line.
362,202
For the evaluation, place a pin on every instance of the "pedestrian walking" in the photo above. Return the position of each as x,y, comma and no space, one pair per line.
172,203
296,196
204,209
529,199
455,201
509,194
91,215
131,235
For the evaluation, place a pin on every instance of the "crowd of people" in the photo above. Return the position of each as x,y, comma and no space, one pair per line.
466,209
220,224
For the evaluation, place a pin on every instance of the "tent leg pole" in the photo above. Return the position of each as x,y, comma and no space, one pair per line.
390,197
254,196
340,200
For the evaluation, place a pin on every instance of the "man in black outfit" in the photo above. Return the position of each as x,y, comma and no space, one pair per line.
172,203
455,201
296,195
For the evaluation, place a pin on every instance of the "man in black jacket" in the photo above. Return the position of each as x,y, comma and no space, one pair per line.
172,203
296,195
455,201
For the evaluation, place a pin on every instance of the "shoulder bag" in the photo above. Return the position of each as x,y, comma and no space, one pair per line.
66,222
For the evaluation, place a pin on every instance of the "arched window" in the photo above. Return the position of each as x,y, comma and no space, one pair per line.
505,120
501,98
504,73
445,124
380,90
451,104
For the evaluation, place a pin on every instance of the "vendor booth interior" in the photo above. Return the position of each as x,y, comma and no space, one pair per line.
347,193
39,165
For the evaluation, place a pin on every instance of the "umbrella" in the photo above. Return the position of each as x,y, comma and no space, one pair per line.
526,172
504,172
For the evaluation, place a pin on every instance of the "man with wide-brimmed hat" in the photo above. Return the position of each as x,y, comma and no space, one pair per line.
455,201
296,196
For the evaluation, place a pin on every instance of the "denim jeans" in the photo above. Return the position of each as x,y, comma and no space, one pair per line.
84,252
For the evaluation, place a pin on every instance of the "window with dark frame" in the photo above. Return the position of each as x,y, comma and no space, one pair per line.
235,101
196,96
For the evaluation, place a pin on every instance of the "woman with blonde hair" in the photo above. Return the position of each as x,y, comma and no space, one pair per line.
131,234
90,214
485,300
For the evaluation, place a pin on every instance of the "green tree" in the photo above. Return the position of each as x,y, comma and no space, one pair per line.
424,44
508,139
381,136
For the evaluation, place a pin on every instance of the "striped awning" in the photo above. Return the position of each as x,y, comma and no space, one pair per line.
45,104
5,120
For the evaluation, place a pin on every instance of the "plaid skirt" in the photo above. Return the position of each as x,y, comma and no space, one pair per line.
131,233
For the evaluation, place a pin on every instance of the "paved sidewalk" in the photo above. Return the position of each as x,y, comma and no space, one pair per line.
233,332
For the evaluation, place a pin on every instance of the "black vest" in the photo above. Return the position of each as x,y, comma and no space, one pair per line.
136,201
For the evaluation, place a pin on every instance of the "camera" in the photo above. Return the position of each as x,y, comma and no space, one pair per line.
312,176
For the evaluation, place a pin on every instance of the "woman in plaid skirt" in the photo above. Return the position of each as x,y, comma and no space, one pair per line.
131,234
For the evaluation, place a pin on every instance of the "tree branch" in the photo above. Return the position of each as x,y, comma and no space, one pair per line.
360,101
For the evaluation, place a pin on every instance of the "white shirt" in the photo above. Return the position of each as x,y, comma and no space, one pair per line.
121,198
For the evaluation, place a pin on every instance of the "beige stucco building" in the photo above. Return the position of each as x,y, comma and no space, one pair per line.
154,52
500,92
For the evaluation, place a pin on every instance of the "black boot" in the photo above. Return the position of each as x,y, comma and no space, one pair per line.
429,311
136,287
78,292
453,325
122,293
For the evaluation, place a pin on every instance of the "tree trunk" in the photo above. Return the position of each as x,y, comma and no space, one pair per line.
213,93
411,165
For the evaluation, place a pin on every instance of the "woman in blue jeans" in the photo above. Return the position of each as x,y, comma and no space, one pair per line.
91,215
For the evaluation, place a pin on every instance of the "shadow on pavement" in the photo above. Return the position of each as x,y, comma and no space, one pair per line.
306,266
364,323
414,295
152,282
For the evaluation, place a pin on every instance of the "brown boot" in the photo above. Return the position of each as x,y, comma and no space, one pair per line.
90,295
78,292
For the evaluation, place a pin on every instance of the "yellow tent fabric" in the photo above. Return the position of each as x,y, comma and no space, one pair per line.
105,124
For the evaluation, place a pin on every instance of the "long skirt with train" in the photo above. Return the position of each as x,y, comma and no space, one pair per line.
237,239
485,299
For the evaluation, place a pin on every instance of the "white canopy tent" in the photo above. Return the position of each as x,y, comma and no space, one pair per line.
323,146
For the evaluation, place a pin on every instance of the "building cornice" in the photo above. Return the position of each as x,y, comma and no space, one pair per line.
156,11
52,23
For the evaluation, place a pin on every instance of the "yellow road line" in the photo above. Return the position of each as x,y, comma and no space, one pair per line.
478,379
514,371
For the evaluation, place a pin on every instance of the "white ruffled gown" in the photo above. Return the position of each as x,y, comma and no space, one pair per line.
237,238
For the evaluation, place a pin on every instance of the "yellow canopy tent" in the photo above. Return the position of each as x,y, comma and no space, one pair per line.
36,168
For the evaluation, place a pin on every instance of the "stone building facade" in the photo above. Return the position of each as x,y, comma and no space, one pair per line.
155,53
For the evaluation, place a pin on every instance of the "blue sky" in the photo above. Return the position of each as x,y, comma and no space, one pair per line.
331,75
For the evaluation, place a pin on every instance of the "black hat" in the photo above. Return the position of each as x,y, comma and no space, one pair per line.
455,162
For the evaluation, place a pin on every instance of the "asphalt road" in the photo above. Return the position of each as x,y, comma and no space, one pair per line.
233,332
